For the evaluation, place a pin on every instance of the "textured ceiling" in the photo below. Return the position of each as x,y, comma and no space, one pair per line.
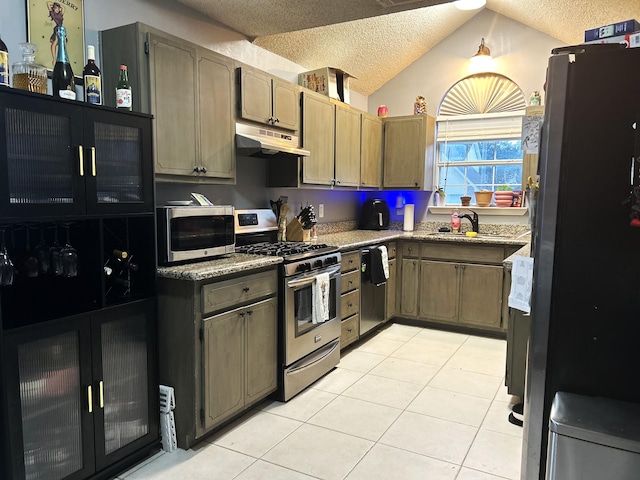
374,43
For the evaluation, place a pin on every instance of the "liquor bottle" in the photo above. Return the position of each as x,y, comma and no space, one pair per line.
64,84
4,64
27,74
123,90
92,78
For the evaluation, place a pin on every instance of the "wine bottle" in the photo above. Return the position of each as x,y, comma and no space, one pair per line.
92,78
4,64
64,84
123,90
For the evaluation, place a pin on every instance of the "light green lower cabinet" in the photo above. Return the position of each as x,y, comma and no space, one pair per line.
409,291
262,349
481,295
240,349
218,347
390,307
224,357
439,290
453,284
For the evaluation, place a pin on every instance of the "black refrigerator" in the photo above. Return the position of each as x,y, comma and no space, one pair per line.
585,334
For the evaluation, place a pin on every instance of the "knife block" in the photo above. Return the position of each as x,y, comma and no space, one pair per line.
295,232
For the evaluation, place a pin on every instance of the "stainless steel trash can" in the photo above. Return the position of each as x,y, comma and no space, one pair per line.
593,438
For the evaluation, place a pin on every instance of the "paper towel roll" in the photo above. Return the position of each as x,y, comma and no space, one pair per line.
408,217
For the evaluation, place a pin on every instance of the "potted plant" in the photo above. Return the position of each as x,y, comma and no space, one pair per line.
504,196
483,197
439,197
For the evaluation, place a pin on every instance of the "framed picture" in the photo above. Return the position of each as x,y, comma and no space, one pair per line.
43,19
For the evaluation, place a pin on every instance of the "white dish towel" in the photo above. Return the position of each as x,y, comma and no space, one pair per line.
321,290
385,260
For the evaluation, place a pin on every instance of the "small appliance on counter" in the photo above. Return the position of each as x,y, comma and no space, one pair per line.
192,233
374,215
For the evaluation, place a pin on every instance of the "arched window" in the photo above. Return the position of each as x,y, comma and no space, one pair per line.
479,128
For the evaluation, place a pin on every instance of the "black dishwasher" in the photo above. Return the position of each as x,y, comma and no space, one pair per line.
373,290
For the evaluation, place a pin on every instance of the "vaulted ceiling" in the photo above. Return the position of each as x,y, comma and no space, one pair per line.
374,40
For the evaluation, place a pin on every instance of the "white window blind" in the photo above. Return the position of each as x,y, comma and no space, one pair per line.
479,127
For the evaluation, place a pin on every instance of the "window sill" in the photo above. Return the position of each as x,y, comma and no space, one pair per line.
448,209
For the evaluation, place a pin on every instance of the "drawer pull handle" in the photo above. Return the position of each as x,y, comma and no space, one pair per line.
90,399
249,312
350,282
350,305
101,394
242,314
349,330
245,289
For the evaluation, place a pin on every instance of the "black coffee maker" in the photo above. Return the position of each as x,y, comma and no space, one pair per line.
374,215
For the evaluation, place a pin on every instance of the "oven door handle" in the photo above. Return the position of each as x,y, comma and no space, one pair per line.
309,279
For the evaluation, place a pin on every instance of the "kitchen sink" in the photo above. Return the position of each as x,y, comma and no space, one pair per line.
479,236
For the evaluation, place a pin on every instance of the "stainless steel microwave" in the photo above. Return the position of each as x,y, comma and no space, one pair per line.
192,233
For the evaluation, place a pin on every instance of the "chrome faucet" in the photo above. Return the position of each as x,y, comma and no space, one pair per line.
475,222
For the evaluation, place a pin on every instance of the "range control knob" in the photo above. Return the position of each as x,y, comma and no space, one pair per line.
331,260
317,263
303,267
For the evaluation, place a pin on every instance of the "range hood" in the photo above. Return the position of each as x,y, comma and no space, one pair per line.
254,141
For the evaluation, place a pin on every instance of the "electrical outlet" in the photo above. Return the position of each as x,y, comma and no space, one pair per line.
321,210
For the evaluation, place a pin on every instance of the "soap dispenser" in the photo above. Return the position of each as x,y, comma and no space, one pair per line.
455,221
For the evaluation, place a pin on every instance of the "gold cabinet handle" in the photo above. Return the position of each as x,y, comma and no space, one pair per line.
90,399
101,394
93,161
81,156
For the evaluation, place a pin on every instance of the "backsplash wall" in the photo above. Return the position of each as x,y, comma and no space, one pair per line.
250,191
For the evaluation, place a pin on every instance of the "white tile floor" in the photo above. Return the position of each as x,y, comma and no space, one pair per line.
409,403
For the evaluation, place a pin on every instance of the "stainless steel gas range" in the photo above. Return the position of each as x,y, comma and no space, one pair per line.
309,342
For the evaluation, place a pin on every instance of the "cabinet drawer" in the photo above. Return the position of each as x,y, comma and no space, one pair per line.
350,281
349,304
225,294
349,330
350,261
391,249
410,249
463,253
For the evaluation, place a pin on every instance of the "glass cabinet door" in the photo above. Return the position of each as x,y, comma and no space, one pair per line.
43,163
117,147
50,403
125,379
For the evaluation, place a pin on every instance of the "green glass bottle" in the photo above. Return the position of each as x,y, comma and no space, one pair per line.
123,90
63,81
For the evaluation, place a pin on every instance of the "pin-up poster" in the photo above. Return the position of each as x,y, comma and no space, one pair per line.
44,18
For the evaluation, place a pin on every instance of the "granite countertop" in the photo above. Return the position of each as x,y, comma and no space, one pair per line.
218,267
354,239
345,241
525,251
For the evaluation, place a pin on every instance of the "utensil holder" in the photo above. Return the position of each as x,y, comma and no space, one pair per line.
296,233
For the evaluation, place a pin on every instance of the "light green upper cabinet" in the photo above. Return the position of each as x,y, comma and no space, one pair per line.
188,89
318,138
268,100
371,151
347,146
408,152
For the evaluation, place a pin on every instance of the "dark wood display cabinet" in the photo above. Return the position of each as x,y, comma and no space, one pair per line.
78,343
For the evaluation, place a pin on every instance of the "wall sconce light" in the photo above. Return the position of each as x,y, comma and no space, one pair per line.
483,54
482,60
469,4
